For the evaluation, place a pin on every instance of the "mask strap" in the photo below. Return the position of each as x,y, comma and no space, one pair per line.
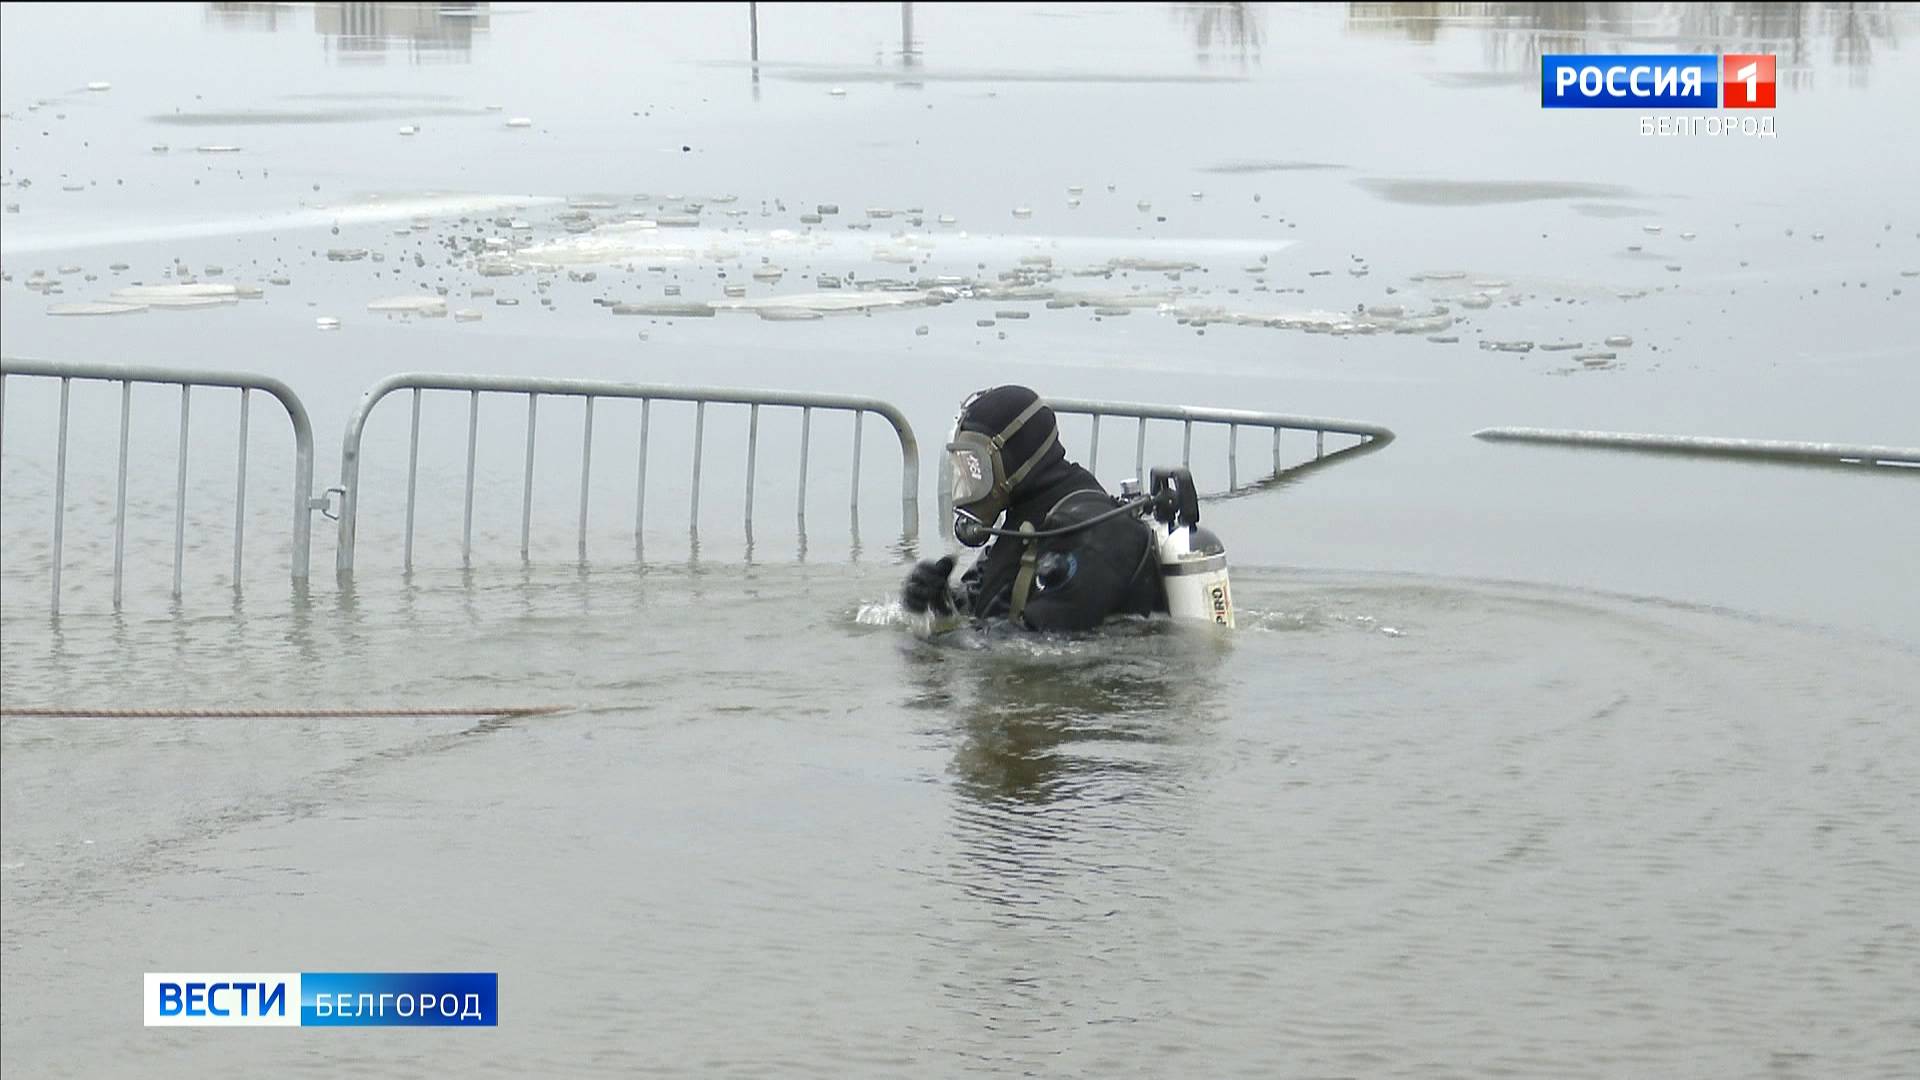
1023,581
1039,455
1019,422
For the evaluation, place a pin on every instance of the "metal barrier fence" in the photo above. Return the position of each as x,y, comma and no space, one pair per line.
1819,453
1371,436
535,388
186,379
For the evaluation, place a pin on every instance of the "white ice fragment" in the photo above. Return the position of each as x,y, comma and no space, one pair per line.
178,296
426,306
326,322
96,307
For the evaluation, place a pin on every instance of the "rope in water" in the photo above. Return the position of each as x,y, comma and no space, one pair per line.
278,714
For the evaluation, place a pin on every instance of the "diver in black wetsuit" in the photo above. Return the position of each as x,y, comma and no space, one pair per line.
1006,458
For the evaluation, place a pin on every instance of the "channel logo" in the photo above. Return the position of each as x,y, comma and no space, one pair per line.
1601,81
1748,78
322,999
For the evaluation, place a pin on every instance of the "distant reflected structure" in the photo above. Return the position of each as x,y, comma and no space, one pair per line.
371,33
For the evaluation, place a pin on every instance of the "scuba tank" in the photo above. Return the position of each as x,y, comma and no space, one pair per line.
1193,562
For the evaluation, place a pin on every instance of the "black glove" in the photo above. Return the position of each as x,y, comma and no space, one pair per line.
926,587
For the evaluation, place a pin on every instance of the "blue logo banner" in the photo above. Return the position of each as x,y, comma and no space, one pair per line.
1607,81
399,999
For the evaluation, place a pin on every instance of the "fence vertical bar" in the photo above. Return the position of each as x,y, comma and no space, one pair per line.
699,438
1140,453
60,493
586,473
1233,456
240,488
640,497
806,437
1319,445
180,495
858,428
413,473
1186,446
526,489
1093,451
120,500
473,445
753,451
1276,451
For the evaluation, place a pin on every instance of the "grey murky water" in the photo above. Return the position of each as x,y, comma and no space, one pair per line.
1525,762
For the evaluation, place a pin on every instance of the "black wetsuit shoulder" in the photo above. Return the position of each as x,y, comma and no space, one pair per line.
1084,577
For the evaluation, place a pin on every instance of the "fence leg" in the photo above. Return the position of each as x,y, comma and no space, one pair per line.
640,499
473,444
180,497
858,429
120,501
806,437
753,450
60,493
526,489
699,438
413,472
586,471
240,489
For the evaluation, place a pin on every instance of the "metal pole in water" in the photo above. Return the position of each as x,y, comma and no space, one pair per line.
473,443
699,437
180,495
526,488
586,470
120,501
806,432
60,492
640,499
858,428
240,489
753,450
413,472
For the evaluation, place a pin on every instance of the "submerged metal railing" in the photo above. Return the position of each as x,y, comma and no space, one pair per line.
1371,436
1824,453
186,379
536,388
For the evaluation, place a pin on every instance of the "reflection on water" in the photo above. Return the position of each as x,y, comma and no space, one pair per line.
1235,30
364,33
1052,720
1515,35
